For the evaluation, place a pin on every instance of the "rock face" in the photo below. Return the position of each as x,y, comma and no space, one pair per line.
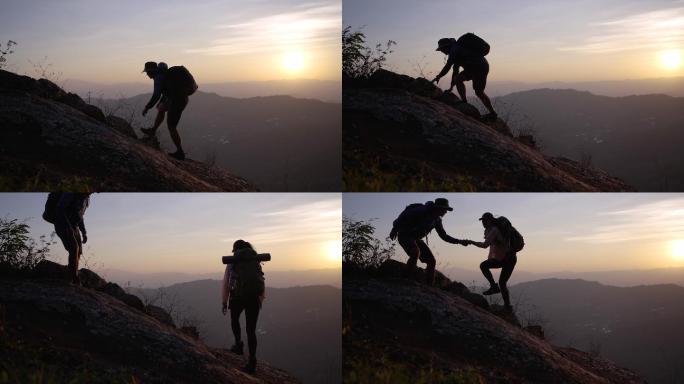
56,138
82,335
402,133
414,332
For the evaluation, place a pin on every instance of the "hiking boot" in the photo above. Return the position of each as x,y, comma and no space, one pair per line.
149,131
492,290
251,365
179,155
237,348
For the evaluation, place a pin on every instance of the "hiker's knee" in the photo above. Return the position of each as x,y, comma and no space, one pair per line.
480,93
484,266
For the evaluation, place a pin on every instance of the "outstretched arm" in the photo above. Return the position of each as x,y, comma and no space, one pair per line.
443,235
444,70
155,96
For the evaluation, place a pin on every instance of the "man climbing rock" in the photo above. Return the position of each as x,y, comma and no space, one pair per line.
415,223
503,241
469,52
173,86
66,211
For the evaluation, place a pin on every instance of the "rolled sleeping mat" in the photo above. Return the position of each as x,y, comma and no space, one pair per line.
259,257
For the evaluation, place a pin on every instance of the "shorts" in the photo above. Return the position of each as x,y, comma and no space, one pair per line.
174,105
477,72
409,244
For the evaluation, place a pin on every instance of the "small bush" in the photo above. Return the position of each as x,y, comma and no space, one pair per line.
358,60
18,251
4,52
360,247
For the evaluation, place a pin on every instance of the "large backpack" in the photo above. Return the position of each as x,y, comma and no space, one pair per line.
178,81
474,44
50,212
515,239
250,276
417,223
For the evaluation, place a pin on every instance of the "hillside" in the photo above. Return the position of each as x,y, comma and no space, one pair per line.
54,332
636,138
638,327
404,134
54,140
279,143
303,321
398,330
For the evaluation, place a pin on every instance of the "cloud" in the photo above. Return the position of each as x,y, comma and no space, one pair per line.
307,26
654,30
316,221
662,220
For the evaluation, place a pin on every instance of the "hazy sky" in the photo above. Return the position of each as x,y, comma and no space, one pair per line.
176,232
563,231
218,40
533,40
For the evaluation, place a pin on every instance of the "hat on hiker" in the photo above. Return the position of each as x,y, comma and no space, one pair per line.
443,203
487,216
150,66
444,42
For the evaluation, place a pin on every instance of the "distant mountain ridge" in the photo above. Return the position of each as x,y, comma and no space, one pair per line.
636,138
637,327
324,90
673,86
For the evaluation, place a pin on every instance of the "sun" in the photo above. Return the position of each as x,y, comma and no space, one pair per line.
334,250
293,62
677,249
671,60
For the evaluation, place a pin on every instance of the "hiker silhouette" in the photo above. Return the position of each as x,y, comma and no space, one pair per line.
469,52
66,210
504,242
244,290
172,86
415,223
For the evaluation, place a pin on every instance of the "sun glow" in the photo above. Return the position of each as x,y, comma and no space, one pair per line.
677,249
293,62
334,250
671,60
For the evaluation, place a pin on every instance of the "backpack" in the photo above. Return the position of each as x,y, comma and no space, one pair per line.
178,81
418,224
250,277
515,239
474,44
50,212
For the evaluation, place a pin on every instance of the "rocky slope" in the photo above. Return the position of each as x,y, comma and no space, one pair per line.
402,134
51,331
50,139
397,330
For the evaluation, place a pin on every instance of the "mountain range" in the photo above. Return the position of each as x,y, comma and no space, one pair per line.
637,327
279,143
636,138
298,328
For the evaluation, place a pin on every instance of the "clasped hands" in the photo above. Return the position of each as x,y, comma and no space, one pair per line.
464,243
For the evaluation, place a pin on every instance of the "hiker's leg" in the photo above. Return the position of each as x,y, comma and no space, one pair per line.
252,315
176,107
161,113
428,258
458,81
485,100
413,252
506,271
235,311
485,267
66,233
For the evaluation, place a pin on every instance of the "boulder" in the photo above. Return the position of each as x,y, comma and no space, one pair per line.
90,279
160,314
47,269
535,330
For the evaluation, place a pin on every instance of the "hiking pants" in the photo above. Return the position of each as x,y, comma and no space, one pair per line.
251,306
416,249
507,265
71,239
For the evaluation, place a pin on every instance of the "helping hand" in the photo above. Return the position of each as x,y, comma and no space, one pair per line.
144,112
85,238
435,80
224,309
393,234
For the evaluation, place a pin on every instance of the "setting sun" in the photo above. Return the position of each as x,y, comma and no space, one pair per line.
293,62
671,60
334,250
677,248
